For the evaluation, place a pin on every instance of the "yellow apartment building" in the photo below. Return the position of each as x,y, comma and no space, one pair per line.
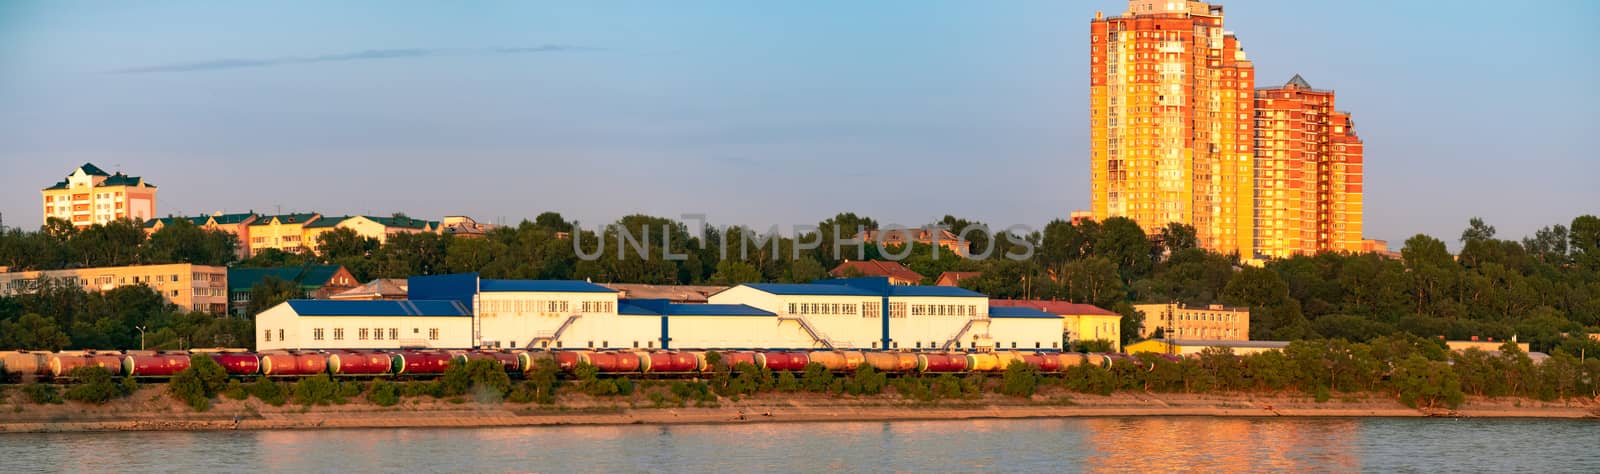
193,287
1211,323
284,232
1080,322
236,224
91,196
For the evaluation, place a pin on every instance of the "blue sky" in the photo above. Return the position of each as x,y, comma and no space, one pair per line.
751,112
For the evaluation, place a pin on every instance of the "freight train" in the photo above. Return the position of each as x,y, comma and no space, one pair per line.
427,363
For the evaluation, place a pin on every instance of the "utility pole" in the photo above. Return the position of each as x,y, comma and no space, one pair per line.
141,336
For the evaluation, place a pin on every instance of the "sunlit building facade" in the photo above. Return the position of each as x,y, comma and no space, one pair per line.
92,196
1172,123
1309,168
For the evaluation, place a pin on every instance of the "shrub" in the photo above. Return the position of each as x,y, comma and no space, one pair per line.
235,391
866,381
349,389
93,384
1019,380
417,389
200,382
269,392
41,394
319,389
489,375
787,382
816,378
383,393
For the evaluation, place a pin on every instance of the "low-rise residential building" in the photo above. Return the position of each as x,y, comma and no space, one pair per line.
1080,322
284,232
1182,347
926,236
1210,323
955,278
311,234
381,228
90,196
191,287
314,281
237,224
896,273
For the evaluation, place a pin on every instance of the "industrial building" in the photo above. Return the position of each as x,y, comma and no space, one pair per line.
1080,322
1211,323
859,313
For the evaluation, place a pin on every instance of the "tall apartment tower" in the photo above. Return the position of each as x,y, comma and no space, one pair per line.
91,196
1308,165
1172,122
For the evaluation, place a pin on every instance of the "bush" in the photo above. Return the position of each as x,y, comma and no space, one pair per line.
235,391
41,394
93,384
787,382
349,389
319,389
866,381
269,392
417,389
383,393
200,382
816,378
1019,380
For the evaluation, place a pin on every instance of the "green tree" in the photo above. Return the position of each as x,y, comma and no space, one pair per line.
32,332
269,292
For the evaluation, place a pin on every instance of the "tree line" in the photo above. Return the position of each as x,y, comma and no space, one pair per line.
1543,289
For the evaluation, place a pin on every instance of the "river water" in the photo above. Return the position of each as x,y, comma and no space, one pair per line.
1146,444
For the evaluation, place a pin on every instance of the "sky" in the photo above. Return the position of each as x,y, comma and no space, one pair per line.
753,113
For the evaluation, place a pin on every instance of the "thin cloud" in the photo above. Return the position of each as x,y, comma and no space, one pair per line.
367,55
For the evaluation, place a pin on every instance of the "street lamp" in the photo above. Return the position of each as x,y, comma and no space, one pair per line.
141,336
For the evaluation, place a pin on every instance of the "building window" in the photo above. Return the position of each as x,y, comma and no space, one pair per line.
280,334
361,334
377,334
394,333
338,334
433,334
316,334
268,333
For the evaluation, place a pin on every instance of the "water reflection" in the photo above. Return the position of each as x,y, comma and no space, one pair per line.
1157,444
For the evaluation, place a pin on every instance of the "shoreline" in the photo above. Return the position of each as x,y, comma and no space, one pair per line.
164,416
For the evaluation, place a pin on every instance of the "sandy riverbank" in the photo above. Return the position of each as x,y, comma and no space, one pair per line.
152,410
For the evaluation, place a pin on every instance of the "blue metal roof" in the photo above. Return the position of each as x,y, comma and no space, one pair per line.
1019,312
810,289
554,286
690,309
903,290
661,307
378,308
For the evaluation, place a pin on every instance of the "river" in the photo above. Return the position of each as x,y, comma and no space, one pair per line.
1165,444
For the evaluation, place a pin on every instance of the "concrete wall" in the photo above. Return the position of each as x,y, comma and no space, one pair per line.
1025,333
289,330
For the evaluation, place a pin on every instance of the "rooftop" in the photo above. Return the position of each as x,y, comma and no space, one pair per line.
314,276
297,218
1019,312
878,268
868,286
552,286
661,307
1056,307
378,308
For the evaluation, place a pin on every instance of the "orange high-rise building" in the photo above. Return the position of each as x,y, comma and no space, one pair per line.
1308,164
1171,112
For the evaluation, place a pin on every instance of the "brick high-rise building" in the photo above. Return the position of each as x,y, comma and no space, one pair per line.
1308,165
1172,123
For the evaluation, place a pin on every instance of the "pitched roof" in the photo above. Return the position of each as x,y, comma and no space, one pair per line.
59,185
1055,307
92,170
1020,312
552,286
406,223
1298,82
680,293
166,221
298,218
232,218
955,277
120,179
326,222
810,289
315,276
379,288
378,308
877,268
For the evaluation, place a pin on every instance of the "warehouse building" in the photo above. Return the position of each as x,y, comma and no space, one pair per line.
464,310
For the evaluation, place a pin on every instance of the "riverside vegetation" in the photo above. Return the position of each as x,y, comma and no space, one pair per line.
1418,372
